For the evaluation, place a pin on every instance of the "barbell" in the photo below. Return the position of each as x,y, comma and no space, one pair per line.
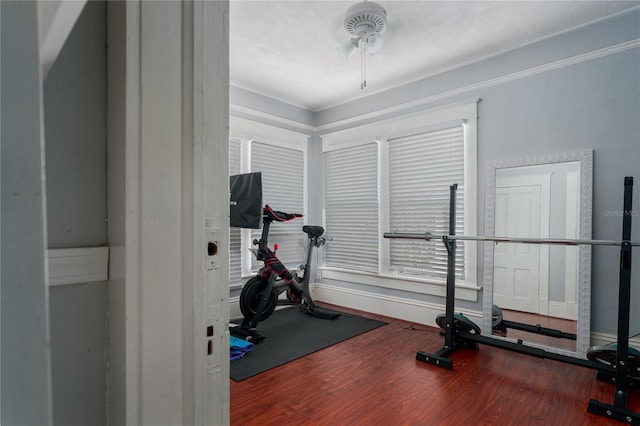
427,236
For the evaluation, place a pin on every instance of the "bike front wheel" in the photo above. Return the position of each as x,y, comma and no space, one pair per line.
252,294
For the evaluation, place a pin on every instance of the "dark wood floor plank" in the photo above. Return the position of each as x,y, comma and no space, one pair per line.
374,379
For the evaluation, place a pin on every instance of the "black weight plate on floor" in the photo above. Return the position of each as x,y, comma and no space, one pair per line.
608,354
496,318
459,322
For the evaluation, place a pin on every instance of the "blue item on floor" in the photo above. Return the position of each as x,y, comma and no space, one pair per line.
239,348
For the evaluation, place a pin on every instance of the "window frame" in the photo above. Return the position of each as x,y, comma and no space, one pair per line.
247,132
383,131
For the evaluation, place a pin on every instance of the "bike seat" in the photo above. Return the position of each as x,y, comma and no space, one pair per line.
313,231
274,215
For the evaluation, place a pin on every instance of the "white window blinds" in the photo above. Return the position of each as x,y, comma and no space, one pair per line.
421,169
283,189
351,197
235,254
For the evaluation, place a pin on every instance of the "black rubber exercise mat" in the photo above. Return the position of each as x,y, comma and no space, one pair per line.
291,335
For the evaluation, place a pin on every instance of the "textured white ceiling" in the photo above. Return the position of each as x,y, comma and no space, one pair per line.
287,49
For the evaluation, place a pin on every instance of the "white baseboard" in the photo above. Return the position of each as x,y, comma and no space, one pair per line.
415,311
599,339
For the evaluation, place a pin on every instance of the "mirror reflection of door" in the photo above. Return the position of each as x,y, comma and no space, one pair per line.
521,270
536,283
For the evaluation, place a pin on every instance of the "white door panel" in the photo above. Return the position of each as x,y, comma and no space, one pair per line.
517,266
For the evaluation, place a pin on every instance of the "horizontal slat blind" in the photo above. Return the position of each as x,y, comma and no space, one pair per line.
283,189
421,169
351,200
235,254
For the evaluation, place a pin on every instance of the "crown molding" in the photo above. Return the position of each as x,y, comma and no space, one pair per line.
550,66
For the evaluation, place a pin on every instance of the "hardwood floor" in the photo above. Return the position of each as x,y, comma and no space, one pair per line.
374,379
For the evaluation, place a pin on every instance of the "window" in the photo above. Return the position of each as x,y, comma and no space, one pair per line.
396,175
281,157
282,189
422,168
351,199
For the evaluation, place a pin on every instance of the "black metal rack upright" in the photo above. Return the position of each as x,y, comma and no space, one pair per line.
618,410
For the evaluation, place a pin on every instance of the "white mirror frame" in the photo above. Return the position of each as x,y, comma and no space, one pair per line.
585,159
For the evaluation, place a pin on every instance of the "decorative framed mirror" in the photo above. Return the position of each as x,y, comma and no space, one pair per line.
546,286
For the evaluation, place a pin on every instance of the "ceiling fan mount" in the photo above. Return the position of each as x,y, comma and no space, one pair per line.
365,17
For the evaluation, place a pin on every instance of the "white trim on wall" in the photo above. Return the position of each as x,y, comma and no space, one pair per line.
244,129
396,126
405,283
601,339
392,306
235,108
78,265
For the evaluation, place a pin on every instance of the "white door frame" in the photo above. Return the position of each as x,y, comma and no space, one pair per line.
168,212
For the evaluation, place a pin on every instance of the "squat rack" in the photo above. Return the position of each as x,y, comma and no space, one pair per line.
461,332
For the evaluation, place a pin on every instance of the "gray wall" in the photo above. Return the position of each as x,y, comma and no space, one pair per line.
78,353
592,103
75,105
24,341
75,101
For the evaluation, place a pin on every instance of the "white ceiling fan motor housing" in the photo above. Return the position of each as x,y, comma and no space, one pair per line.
365,18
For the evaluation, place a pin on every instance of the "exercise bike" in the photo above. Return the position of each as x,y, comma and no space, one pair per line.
261,294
